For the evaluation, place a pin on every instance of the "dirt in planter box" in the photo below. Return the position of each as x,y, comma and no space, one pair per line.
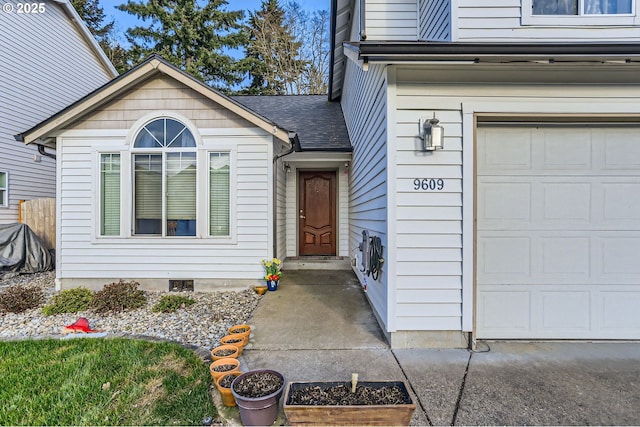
342,395
223,368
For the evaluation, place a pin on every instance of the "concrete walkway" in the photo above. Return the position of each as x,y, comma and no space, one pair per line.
318,326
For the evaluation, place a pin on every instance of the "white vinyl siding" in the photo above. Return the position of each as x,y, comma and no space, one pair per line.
365,108
509,21
214,259
109,194
391,20
430,263
45,65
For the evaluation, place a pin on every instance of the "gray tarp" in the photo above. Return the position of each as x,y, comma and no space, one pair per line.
21,251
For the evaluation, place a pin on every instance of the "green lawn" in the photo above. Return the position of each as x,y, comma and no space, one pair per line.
102,382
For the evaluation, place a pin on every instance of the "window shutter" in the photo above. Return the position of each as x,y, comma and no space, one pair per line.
110,194
219,194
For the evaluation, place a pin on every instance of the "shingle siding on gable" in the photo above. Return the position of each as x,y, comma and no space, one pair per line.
45,64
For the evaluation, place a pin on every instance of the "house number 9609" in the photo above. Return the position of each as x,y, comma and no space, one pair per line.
428,184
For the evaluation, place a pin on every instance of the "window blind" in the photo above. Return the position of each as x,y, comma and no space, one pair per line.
219,194
109,194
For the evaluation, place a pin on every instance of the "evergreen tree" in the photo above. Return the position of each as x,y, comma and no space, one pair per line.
190,36
94,18
272,54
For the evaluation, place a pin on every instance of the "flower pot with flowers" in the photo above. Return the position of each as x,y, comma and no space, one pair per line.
272,272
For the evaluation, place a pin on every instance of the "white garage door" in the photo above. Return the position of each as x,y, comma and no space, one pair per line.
558,232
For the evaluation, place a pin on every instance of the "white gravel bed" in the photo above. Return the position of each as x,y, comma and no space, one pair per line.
202,324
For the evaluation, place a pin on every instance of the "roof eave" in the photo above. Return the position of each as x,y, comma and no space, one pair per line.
390,52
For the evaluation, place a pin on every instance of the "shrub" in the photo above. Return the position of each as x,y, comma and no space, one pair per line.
120,296
19,298
69,301
170,303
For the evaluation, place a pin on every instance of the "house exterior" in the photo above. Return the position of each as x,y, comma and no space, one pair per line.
48,59
162,179
527,224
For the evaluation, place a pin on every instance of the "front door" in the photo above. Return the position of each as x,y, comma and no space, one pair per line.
317,213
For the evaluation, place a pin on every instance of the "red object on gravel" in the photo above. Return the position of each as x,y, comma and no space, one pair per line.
81,325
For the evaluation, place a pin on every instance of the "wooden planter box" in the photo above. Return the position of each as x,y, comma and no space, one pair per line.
345,415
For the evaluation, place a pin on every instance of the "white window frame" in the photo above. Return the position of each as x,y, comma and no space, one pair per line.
577,20
99,194
163,152
5,202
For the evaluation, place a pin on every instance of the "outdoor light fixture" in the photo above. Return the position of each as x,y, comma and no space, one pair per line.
432,134
286,168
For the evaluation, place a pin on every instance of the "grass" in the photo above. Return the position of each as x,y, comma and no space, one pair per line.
102,382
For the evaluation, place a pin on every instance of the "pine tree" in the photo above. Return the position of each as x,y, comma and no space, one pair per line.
190,36
94,18
272,54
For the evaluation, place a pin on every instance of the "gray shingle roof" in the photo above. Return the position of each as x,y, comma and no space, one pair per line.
319,123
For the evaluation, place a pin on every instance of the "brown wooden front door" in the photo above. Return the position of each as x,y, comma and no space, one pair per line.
317,213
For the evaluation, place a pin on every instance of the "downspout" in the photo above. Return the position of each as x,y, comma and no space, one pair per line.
363,20
44,153
295,147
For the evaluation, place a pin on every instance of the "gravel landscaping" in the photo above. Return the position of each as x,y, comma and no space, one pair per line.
202,324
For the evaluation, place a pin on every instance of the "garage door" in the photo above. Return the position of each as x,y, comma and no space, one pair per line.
558,232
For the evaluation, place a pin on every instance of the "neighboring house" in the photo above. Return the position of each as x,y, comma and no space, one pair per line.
48,59
161,179
527,224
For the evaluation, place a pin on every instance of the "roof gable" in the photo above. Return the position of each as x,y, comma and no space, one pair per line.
150,68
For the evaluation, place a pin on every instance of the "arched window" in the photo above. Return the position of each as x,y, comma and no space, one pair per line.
165,179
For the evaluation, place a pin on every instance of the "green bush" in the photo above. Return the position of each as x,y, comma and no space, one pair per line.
69,301
120,296
19,298
170,303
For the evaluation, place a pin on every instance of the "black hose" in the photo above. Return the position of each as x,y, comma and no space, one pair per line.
375,257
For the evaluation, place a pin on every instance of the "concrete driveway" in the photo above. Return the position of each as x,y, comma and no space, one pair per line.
318,326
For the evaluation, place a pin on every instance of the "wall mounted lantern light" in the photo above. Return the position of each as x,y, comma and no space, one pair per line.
432,134
286,167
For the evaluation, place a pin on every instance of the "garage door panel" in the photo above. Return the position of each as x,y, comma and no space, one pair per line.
566,149
622,201
622,151
505,150
619,311
563,201
558,233
507,314
565,312
567,257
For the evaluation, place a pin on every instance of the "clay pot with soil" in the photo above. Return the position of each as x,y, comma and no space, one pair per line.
223,384
238,340
244,330
224,366
257,394
225,351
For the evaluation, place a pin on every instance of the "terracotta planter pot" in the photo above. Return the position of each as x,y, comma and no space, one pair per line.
381,415
237,340
222,362
244,330
225,392
225,349
258,411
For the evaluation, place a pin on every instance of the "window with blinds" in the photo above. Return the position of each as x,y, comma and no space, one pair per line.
109,194
4,190
219,194
165,180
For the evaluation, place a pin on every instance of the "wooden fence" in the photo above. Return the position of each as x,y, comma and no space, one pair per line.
40,216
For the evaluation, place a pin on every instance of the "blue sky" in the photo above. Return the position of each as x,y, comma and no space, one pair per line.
124,20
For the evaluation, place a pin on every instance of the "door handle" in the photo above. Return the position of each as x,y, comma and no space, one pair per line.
302,217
